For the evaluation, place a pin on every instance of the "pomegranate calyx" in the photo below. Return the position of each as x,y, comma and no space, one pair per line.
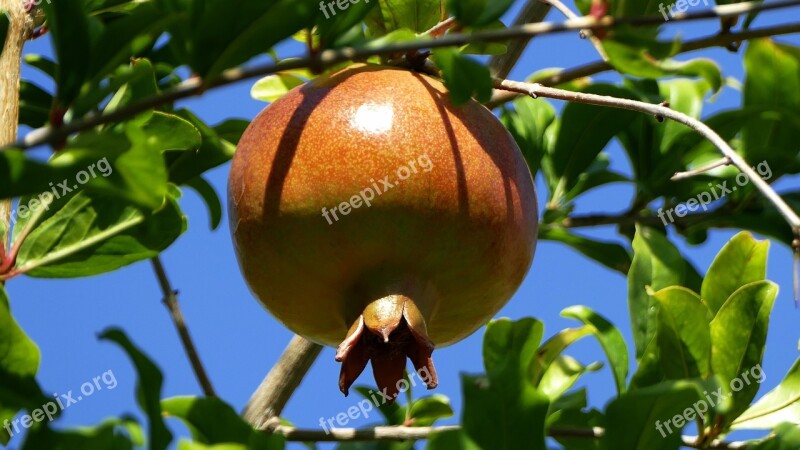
397,331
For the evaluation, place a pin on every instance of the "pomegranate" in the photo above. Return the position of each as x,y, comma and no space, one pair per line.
368,212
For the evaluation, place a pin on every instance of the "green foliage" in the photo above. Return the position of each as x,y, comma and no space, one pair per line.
478,12
213,422
503,409
463,76
776,407
19,362
692,335
415,15
148,388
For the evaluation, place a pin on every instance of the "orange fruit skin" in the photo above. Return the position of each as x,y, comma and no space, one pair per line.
458,236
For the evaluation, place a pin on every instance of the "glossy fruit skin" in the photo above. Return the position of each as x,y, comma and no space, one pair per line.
458,239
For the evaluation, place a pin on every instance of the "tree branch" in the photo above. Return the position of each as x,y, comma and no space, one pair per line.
536,90
171,302
19,28
711,166
280,383
327,58
441,27
397,433
593,68
533,11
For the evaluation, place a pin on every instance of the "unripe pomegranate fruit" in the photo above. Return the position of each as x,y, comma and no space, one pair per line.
368,212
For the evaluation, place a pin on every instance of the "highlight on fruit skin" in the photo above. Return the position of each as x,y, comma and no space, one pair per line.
426,263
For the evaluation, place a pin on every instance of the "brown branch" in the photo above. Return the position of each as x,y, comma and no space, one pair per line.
20,25
193,87
280,383
533,11
536,90
171,302
593,68
441,27
398,433
711,166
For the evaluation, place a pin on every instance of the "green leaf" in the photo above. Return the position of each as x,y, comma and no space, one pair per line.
19,362
772,82
44,64
69,27
478,12
504,410
596,175
611,255
584,132
645,418
125,161
113,434
743,260
416,15
785,437
683,336
609,338
527,123
403,35
128,36
217,147
450,440
148,388
550,351
562,374
428,410
89,234
222,37
273,87
211,199
658,264
139,72
637,57
463,76
779,405
335,22
34,105
212,421
738,339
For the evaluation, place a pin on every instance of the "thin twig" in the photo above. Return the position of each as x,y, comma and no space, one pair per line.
398,433
564,9
171,302
708,167
536,90
280,383
441,27
327,58
593,68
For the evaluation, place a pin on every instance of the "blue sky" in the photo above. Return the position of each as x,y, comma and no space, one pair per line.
239,341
